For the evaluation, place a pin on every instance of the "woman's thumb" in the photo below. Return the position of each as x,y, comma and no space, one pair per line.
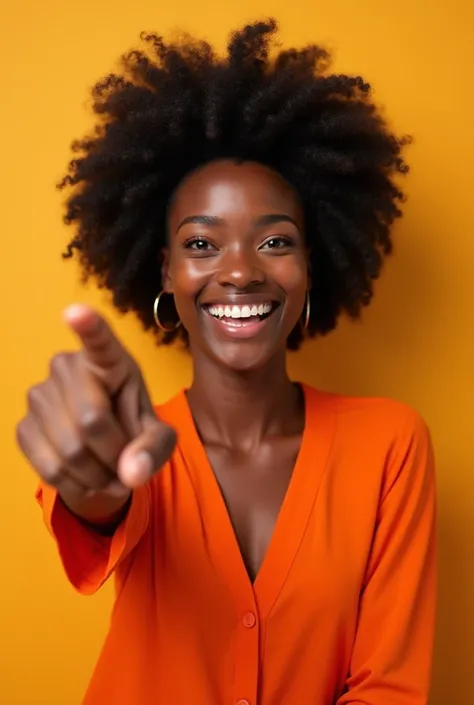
147,453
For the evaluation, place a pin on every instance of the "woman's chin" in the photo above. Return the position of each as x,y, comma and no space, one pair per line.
246,355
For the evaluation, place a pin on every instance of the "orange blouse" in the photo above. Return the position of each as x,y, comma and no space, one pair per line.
342,610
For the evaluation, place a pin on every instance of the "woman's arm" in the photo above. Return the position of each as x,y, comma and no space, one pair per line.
392,654
89,556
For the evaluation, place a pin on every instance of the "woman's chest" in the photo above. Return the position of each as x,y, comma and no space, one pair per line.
253,487
266,527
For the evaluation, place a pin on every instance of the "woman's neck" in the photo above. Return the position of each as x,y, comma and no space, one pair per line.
238,409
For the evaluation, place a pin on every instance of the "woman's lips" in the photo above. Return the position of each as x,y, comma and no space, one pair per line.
245,321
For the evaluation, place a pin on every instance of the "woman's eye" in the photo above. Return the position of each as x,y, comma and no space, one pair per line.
198,244
276,243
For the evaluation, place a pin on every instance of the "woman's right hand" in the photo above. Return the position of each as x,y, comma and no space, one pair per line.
90,429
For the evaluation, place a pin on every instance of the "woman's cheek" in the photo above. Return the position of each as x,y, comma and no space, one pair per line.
291,273
193,274
189,279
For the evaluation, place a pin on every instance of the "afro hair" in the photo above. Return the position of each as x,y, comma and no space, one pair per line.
175,106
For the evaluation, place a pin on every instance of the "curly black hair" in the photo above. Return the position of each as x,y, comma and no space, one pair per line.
175,106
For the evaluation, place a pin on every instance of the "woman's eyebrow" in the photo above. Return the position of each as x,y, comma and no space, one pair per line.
268,219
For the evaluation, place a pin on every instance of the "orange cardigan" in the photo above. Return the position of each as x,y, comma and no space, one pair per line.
342,610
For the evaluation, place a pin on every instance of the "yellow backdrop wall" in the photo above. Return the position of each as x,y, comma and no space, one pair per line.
416,343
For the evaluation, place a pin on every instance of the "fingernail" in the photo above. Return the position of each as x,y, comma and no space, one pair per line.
74,311
140,468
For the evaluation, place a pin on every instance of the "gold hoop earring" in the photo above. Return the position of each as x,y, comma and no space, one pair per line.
307,312
156,315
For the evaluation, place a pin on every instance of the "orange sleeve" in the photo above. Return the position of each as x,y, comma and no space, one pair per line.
88,557
392,653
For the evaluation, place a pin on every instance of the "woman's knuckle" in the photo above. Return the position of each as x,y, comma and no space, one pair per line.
34,396
73,452
93,421
21,433
52,472
60,362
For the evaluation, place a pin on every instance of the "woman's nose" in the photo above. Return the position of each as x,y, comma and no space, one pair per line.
240,267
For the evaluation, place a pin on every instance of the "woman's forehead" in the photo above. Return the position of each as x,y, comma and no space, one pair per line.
223,188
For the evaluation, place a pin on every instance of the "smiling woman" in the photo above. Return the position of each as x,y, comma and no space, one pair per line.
177,107
243,246
272,544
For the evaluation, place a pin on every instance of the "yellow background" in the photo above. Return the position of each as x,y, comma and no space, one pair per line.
416,343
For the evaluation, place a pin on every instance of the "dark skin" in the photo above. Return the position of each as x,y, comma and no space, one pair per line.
236,238
248,413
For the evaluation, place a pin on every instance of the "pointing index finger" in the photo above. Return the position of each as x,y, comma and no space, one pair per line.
101,348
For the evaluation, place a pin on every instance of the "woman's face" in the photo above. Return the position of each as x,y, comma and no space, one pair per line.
237,262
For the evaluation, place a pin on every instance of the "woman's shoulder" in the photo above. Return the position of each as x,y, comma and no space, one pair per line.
370,415
172,409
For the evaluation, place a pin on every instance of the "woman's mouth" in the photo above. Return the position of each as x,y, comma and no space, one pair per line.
243,321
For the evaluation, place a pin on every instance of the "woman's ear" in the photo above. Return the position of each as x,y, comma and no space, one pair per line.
166,280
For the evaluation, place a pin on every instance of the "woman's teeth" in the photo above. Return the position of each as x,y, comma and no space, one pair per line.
239,311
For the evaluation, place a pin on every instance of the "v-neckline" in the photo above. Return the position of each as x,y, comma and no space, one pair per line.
293,517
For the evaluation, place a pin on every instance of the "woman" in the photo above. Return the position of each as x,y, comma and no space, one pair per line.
271,544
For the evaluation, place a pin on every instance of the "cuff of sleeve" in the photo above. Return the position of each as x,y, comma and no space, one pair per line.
87,556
